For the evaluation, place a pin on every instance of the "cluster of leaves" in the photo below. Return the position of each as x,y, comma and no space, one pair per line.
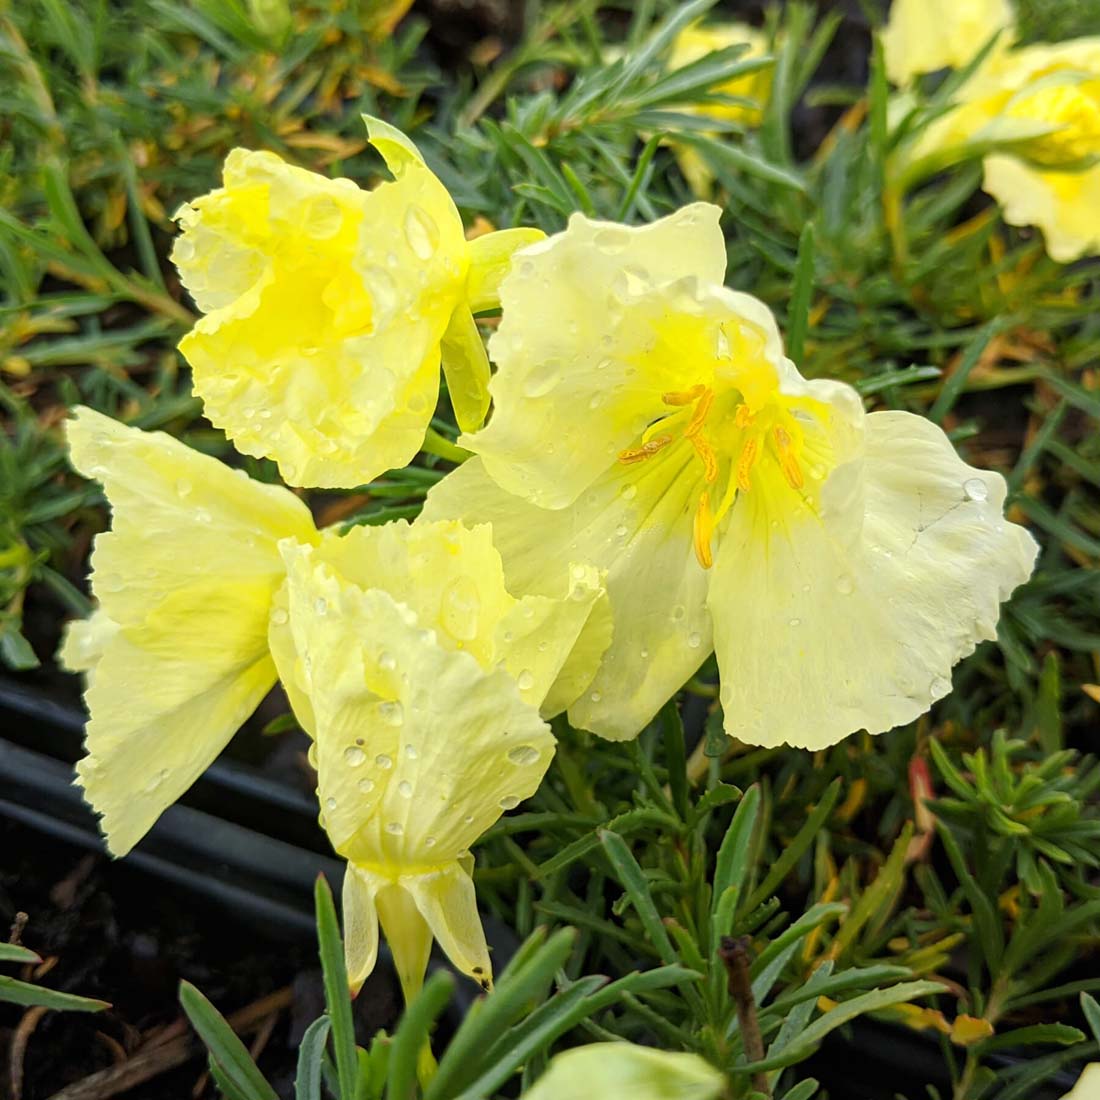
850,886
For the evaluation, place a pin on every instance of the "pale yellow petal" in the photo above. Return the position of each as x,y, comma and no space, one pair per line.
1088,1084
187,575
84,642
922,36
824,627
361,888
408,934
1064,205
491,259
446,900
419,748
635,523
538,639
624,1071
577,378
326,305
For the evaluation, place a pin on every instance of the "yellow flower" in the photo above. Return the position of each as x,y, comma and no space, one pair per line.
623,1071
647,420
1088,1084
420,679
177,653
1038,108
922,36
695,42
326,309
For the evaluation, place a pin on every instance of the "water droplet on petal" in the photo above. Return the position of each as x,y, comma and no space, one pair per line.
542,378
459,609
391,712
405,789
366,785
976,489
845,585
429,842
595,697
183,487
509,802
411,752
354,756
330,803
523,754
279,616
620,531
395,828
611,241
387,661
421,232
383,761
320,605
940,687
629,492
694,640
525,680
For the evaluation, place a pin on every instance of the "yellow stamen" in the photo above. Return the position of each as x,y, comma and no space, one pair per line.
639,454
699,417
787,461
745,463
710,460
703,531
743,416
683,397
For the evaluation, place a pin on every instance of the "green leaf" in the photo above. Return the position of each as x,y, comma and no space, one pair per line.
337,994
1091,1008
793,852
735,854
414,1034
13,991
798,313
311,1055
525,981
11,952
225,1048
672,727
633,880
874,1001
1054,1034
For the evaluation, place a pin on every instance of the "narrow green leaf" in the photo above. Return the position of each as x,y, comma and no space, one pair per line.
224,1046
311,1056
672,727
630,874
13,991
337,994
735,853
10,952
414,1034
798,313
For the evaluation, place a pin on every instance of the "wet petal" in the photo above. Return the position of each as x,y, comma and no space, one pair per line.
325,310
823,628
635,523
186,575
578,378
361,888
922,36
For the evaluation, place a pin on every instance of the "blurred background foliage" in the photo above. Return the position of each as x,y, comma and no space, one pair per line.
962,847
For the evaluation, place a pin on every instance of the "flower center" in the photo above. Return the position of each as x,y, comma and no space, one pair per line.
739,448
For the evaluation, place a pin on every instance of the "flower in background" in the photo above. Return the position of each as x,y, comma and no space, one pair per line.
328,309
922,36
695,42
646,420
176,655
1088,1084
624,1071
421,681
1034,115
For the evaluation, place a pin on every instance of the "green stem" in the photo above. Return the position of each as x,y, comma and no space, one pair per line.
441,447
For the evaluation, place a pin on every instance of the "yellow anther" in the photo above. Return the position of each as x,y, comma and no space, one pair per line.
787,461
639,454
710,460
743,416
683,397
699,417
703,531
746,462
